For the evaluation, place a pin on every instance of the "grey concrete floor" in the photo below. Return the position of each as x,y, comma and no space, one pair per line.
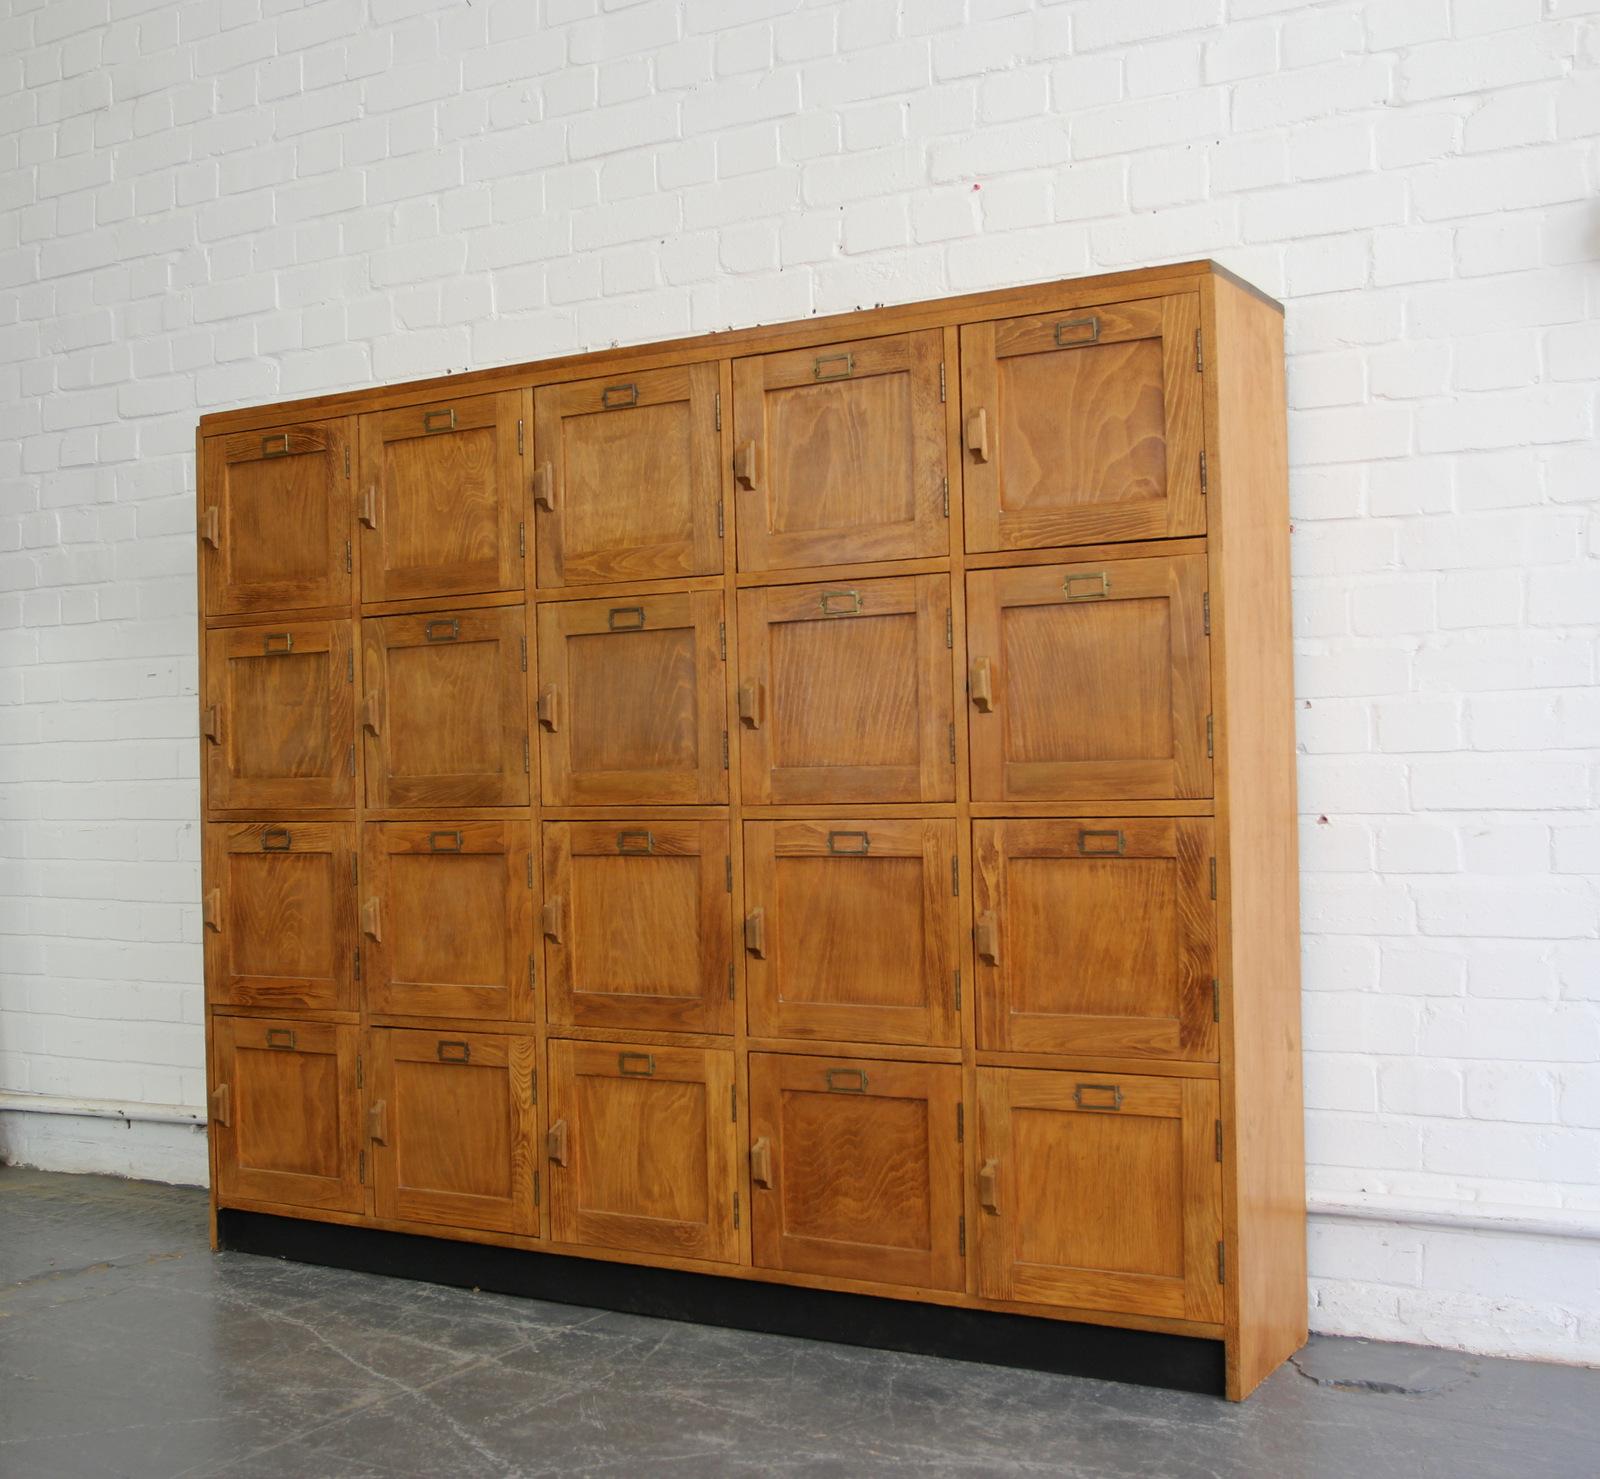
127,1348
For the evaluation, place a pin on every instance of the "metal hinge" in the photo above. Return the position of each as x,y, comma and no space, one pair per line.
722,640
955,875
1209,737
535,1188
528,873
357,963
724,749
1205,611
1213,878
360,1074
1216,1000
1222,1263
733,1104
941,382
727,871
958,988
532,974
1219,1140
347,459
527,763
1204,484
736,1211
961,1234
719,519
952,744
1199,355
361,1167
533,1086
961,1123
522,540
519,436
524,642
947,498
719,410
730,980
347,557
949,627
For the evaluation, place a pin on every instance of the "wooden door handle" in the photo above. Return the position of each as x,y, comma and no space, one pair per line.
544,487
372,713
751,694
755,933
744,464
555,1143
222,1106
978,435
378,1122
372,918
980,685
989,1186
369,506
550,920
761,1162
211,526
986,935
549,708
211,726
211,910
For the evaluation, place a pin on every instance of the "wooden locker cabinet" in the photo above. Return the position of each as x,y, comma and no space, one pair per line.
642,1149
278,721
1083,426
285,1113
627,477
441,507
451,1121
855,1169
631,700
839,453
445,711
447,919
275,521
637,925
852,930
1100,1191
1090,681
844,691
1096,936
278,913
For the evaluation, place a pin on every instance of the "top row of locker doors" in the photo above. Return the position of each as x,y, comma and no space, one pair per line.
1071,429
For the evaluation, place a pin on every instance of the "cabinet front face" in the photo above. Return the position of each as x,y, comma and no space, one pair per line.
637,927
452,1122
279,915
1083,426
641,1149
855,1169
275,519
446,711
446,919
1089,682
839,453
851,932
631,700
441,499
285,1111
628,478
845,692
279,719
1100,1192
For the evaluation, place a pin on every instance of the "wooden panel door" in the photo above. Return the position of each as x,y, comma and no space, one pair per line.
279,716
446,710
279,915
1083,426
1089,681
855,1169
637,925
1100,1192
642,1149
627,484
440,506
447,919
852,930
845,692
275,513
452,1122
632,700
839,453
285,1113
1096,936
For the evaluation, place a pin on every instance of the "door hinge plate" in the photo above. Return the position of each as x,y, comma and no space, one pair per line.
722,640
949,628
727,871
522,540
720,531
519,436
1199,354
1216,1000
955,875
730,981
958,987
1222,1263
1210,737
733,1104
535,1188
719,410
347,557
952,744
1205,612
941,383
356,963
1219,1140
1213,878
360,1076
524,642
961,1234
527,762
1204,476
361,1167
736,1211
533,1086
961,1123
527,874
347,462
724,749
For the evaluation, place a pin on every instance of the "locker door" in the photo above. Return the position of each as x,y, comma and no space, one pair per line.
1096,936
627,484
279,915
637,926
441,499
1100,1191
840,453
1083,426
855,1169
845,692
446,919
452,1125
279,718
275,519
852,930
446,710
641,1149
631,701
285,1111
1089,681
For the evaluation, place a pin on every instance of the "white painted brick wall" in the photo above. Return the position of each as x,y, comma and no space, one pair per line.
218,201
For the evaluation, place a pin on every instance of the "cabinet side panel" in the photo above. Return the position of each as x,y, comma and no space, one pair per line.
1258,857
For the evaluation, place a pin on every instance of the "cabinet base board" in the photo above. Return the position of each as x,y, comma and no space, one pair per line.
1182,1363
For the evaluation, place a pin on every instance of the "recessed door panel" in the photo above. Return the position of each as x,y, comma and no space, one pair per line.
441,498
641,1148
1089,681
631,700
637,927
285,1113
627,478
275,516
1100,1191
851,931
1096,936
1083,426
845,692
279,715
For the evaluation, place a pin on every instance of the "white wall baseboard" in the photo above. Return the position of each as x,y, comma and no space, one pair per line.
90,1137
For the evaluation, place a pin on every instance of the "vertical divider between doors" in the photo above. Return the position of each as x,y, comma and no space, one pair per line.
353,432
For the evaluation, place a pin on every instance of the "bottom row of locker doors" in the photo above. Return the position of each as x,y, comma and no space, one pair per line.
1091,1192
